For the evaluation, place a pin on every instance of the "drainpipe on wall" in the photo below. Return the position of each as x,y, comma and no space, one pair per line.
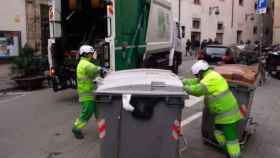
179,19
232,13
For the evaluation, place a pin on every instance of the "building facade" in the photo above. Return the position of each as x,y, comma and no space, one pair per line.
37,14
13,33
228,21
23,22
276,22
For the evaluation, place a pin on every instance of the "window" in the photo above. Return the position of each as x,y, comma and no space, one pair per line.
268,10
196,36
196,23
196,2
267,31
255,30
272,8
220,26
239,36
241,2
220,37
217,51
256,5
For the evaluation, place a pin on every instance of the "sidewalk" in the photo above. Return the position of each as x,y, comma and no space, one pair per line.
5,82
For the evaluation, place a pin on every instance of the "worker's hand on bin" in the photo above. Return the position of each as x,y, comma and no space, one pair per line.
104,71
190,81
187,89
97,81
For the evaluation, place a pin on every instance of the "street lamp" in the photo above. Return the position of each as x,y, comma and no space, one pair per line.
252,15
214,8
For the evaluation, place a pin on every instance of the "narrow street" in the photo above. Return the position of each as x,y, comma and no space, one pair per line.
71,42
38,125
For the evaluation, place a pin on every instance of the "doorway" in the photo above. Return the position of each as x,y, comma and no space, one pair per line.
45,27
220,37
239,36
195,36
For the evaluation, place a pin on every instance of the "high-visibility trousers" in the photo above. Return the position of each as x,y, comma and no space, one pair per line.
87,110
227,137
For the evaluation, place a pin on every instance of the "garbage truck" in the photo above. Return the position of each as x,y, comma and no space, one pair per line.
127,34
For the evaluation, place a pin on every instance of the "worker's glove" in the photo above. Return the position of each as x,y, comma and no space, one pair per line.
187,89
97,81
186,82
190,81
104,71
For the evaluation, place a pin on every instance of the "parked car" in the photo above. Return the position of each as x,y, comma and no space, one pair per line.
273,64
272,48
216,54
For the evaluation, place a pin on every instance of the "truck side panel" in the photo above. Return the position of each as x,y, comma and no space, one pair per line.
160,29
131,27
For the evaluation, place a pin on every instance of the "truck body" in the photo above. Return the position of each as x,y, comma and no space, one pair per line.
126,33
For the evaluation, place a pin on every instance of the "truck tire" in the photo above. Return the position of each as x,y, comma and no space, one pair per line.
149,63
175,66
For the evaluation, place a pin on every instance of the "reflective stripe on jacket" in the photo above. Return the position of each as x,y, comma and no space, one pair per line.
86,72
218,98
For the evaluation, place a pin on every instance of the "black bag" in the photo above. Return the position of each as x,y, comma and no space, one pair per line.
144,107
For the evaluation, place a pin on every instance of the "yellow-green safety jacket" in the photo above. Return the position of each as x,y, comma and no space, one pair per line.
86,72
218,97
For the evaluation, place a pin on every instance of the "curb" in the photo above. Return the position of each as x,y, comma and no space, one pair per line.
7,85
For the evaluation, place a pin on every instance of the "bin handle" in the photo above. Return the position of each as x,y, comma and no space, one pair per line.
103,99
157,84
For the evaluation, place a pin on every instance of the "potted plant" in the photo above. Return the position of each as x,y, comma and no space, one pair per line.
27,69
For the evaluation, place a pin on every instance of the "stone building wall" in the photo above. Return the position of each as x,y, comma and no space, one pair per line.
34,23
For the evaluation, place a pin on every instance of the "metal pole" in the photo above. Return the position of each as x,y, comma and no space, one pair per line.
232,14
262,32
179,19
179,11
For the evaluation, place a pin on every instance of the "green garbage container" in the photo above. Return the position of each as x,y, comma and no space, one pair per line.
152,129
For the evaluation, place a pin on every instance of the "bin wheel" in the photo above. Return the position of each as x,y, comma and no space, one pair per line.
205,142
149,62
245,138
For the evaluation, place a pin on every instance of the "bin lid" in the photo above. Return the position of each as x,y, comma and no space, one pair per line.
240,74
141,82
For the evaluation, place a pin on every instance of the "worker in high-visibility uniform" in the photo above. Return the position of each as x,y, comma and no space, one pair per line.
221,103
86,72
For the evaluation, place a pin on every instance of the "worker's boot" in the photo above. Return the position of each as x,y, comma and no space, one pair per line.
77,133
228,156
